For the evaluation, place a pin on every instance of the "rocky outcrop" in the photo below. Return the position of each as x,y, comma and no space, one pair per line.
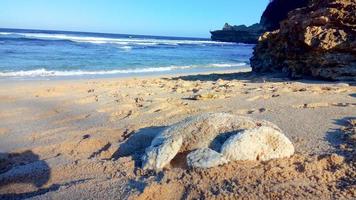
238,34
213,139
277,11
318,41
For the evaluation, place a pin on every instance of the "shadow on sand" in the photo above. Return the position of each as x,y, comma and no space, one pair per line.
136,144
252,77
25,167
345,147
336,137
247,76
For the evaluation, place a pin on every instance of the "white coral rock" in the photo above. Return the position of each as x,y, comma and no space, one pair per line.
263,143
205,158
204,131
162,150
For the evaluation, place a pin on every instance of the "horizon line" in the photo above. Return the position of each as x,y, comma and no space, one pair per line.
90,32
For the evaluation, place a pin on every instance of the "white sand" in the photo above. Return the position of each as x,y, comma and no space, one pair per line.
79,131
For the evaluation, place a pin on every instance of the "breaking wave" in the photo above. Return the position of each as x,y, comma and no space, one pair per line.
119,41
53,73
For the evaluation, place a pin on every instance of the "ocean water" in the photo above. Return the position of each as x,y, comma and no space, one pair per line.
36,54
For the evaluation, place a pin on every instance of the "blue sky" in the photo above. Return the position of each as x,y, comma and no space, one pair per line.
151,17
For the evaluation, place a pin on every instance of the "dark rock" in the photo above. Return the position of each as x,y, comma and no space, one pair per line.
277,11
318,41
238,34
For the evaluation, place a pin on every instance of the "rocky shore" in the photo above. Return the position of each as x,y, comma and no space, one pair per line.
315,41
277,11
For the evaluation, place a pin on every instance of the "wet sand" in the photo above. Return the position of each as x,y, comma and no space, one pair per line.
69,139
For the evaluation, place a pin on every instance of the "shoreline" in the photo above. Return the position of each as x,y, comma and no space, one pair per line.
246,71
13,80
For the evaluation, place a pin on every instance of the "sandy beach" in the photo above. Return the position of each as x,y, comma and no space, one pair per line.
83,139
178,100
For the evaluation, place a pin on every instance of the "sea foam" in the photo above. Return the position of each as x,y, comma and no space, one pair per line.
52,73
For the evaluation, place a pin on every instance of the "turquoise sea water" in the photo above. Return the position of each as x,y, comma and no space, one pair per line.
34,53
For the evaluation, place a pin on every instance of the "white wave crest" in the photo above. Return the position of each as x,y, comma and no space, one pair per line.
223,65
52,73
127,48
118,41
48,73
5,33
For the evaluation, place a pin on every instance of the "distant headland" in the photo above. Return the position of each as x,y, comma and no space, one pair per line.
276,11
239,34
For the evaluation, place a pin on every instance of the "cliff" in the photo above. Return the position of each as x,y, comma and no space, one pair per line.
318,40
277,11
238,34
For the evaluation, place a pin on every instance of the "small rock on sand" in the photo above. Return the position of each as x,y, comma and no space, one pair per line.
207,96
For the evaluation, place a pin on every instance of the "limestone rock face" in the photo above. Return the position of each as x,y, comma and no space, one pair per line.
203,136
263,143
315,41
277,11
